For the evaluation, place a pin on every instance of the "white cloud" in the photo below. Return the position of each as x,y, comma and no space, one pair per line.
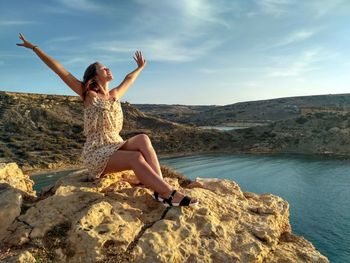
57,42
206,11
294,37
288,66
176,31
70,7
321,8
83,5
275,7
315,8
76,61
61,39
159,49
16,22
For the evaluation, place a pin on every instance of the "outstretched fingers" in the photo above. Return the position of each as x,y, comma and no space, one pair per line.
139,58
22,38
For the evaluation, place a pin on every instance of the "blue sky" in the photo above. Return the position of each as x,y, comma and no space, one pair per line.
198,52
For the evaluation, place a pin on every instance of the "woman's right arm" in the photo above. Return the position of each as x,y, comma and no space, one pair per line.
66,76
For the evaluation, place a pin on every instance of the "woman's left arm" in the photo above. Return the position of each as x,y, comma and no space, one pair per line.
130,78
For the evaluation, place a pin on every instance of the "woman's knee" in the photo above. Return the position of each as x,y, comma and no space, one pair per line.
145,140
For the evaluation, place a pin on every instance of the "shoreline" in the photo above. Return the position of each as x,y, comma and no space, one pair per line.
38,171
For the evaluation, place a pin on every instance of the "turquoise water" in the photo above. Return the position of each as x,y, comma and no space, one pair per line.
48,179
317,189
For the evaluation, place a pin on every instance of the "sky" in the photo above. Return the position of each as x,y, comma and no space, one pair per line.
198,52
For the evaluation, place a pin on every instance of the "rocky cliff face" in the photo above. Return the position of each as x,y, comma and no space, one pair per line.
112,221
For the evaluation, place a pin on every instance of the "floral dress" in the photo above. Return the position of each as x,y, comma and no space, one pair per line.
103,120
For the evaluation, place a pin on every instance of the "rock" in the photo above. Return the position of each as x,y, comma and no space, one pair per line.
15,188
10,173
23,257
10,207
111,221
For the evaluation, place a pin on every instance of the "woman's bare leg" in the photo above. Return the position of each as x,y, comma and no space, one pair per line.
142,143
133,160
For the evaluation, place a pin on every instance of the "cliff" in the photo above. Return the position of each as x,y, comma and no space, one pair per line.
113,221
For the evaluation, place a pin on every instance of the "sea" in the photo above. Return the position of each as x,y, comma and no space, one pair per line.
317,189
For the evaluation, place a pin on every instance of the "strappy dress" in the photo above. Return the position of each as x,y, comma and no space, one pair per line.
103,120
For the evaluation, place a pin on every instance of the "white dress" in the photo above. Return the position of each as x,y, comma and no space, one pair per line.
103,120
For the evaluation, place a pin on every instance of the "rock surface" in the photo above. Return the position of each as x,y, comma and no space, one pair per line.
113,221
16,190
11,174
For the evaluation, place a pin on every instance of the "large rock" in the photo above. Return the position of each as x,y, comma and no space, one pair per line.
11,174
112,221
15,189
10,207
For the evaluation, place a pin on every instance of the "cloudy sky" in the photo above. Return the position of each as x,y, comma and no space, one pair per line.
198,52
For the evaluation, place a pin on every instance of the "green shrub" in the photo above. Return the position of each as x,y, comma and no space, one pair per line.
301,120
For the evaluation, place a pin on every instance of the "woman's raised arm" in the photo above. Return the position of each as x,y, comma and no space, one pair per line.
130,78
66,76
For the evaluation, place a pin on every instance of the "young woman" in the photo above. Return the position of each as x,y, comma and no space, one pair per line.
104,150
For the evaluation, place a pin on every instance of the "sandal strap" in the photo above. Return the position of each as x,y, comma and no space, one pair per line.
156,195
172,195
185,201
170,198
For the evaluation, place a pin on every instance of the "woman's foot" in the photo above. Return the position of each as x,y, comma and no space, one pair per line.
178,199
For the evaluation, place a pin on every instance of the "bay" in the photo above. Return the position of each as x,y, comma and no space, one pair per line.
316,188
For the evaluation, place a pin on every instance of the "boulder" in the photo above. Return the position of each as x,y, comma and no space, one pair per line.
11,174
111,220
16,191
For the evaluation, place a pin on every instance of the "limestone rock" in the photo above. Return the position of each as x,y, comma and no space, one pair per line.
15,187
10,207
11,174
111,220
23,257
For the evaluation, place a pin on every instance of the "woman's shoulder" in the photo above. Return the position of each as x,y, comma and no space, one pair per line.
90,97
91,93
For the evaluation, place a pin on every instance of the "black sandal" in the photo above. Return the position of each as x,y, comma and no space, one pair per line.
186,201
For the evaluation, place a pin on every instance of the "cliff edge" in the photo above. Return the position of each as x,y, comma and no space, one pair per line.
113,221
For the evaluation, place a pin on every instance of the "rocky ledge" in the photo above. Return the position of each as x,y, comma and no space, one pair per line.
112,220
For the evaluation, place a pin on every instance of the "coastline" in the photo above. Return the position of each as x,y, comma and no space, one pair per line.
38,171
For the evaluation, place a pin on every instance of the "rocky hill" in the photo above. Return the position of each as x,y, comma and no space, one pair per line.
315,133
46,131
112,221
238,114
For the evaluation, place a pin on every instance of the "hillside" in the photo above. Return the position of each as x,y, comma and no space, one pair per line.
46,131
261,111
314,133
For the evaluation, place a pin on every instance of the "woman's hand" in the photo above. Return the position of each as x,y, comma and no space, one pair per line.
25,43
141,62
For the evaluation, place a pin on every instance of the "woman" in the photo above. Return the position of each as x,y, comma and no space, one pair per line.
104,150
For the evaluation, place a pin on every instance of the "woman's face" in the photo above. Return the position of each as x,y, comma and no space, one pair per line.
103,73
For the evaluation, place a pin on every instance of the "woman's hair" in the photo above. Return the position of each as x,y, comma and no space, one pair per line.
89,81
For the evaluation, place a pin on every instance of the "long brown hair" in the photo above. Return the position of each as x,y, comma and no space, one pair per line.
89,82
